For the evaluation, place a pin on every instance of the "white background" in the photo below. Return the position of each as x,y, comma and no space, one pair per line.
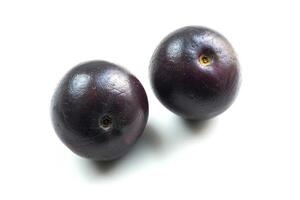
252,151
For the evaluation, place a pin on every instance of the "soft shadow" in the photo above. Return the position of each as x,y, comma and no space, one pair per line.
104,167
198,126
151,145
150,139
149,142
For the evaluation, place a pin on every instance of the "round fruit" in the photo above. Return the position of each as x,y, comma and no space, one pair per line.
99,110
195,73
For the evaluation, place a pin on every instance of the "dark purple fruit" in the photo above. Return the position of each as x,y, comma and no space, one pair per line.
99,110
195,73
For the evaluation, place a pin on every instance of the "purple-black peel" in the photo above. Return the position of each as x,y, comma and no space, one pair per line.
99,110
195,73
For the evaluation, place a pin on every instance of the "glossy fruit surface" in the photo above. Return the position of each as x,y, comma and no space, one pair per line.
195,73
99,110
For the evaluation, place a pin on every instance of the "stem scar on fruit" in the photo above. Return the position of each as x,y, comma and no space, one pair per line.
205,60
105,122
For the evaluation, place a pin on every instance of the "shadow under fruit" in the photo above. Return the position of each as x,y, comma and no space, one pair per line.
99,110
195,73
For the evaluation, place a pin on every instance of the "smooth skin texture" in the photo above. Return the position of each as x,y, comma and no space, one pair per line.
99,110
195,73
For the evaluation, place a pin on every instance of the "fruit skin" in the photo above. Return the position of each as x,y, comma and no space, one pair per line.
187,87
91,93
